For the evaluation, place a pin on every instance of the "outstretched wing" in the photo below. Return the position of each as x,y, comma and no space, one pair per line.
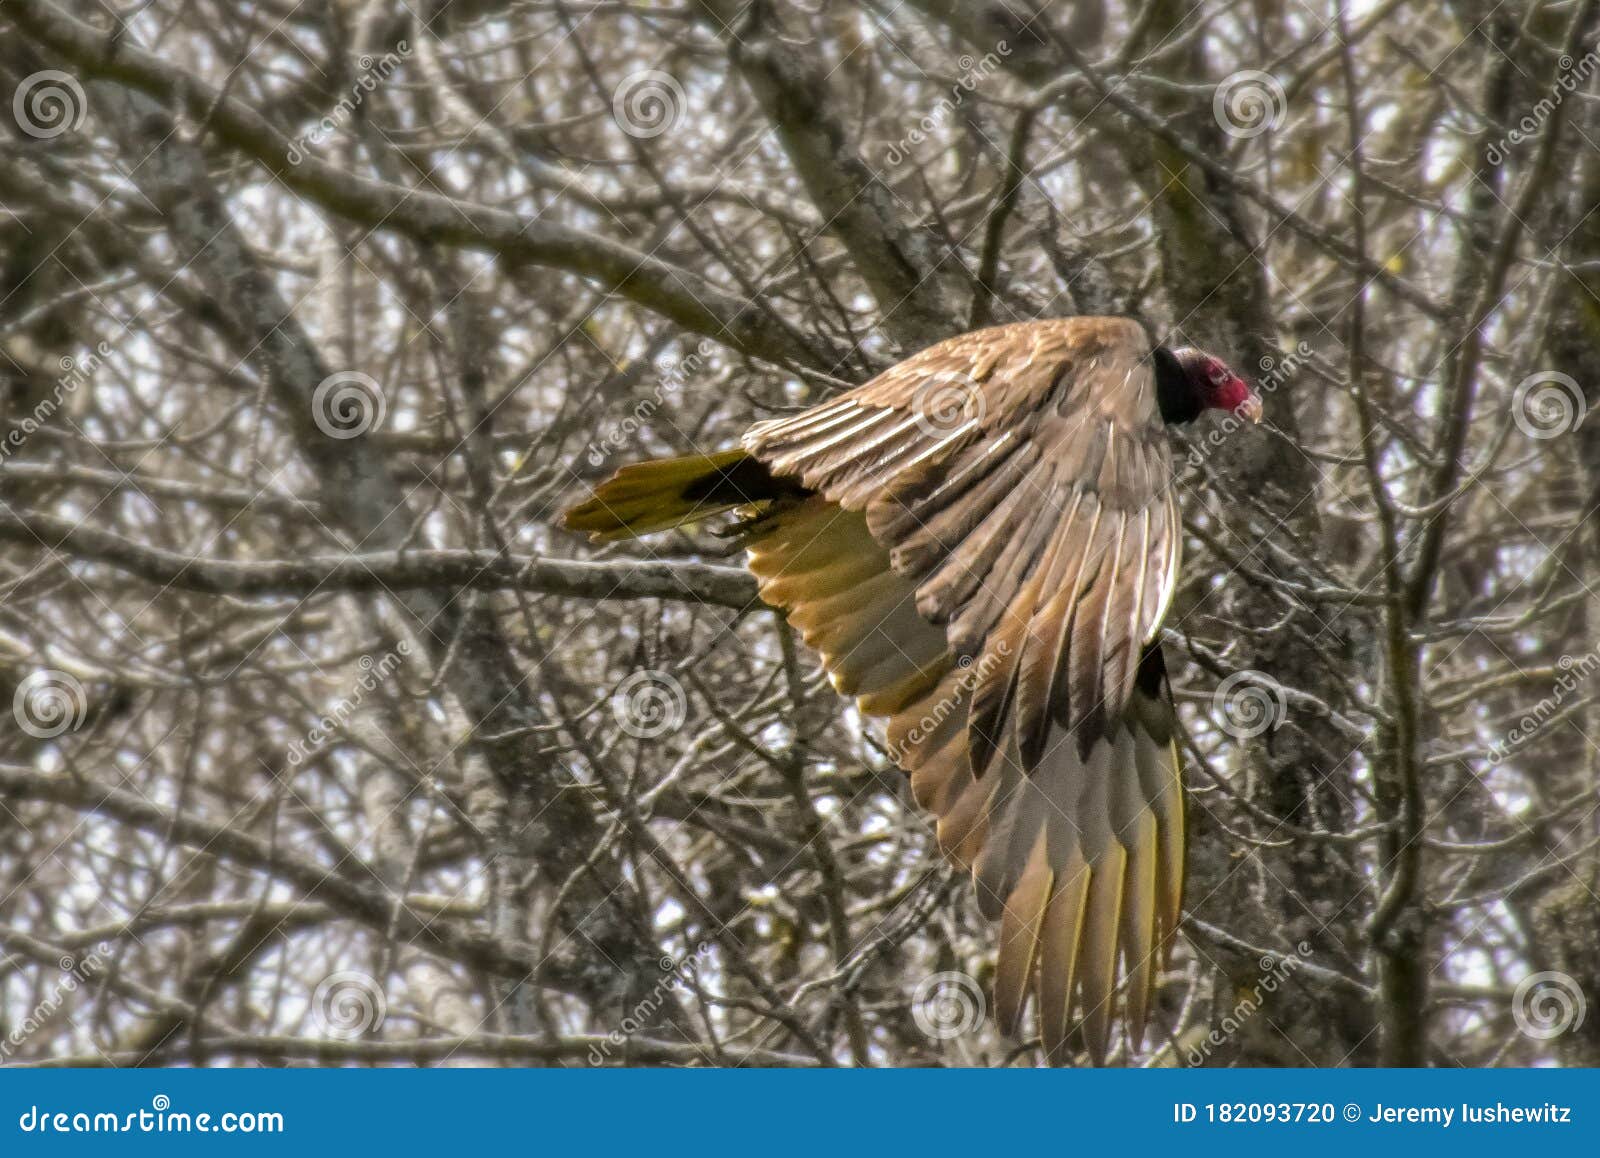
990,552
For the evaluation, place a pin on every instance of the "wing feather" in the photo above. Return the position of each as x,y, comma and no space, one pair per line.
989,569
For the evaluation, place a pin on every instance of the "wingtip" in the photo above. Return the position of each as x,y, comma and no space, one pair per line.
580,519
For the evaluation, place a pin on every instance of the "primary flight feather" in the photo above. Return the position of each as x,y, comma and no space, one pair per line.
981,543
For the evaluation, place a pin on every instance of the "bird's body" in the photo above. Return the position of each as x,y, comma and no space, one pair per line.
981,543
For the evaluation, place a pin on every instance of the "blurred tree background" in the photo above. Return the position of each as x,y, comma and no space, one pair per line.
326,745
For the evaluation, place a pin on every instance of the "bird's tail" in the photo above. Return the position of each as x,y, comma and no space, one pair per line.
646,497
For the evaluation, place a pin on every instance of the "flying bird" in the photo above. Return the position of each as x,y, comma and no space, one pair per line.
981,543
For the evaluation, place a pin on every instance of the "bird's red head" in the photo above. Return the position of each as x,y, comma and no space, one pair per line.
1212,385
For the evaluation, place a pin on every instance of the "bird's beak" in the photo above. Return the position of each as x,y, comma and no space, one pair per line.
1250,408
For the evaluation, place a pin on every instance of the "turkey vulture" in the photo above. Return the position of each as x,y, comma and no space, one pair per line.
981,542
